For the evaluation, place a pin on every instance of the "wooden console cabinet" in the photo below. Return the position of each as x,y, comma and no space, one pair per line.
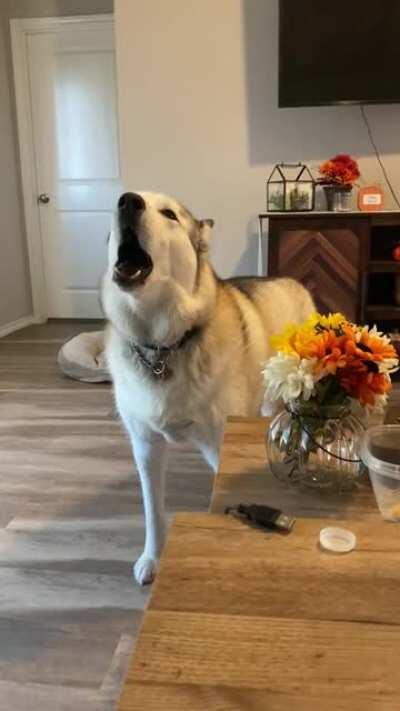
345,259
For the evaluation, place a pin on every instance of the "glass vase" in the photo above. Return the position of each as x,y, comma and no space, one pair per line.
316,448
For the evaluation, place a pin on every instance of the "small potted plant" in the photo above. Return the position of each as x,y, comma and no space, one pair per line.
328,372
338,175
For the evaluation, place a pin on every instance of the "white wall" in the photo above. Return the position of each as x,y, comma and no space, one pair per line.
15,294
199,116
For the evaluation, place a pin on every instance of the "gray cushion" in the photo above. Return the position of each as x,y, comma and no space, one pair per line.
83,358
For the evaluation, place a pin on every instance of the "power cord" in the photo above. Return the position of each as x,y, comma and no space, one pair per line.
371,138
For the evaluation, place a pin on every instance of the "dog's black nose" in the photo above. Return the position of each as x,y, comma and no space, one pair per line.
132,202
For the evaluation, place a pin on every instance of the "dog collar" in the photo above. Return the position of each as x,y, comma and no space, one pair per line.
174,346
159,364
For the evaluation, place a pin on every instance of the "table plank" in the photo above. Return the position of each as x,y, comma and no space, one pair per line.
244,477
218,563
276,655
186,697
305,627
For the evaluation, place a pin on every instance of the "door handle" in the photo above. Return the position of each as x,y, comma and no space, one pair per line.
44,198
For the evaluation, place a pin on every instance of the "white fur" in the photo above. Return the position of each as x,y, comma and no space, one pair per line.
215,380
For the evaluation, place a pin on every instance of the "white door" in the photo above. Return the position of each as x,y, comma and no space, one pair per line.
74,115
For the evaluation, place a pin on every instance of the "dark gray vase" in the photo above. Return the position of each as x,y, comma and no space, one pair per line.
338,199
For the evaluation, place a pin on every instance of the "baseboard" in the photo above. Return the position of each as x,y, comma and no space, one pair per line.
16,325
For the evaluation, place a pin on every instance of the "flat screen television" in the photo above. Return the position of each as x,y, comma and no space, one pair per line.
340,52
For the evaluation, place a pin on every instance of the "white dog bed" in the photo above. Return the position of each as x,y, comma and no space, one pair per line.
82,358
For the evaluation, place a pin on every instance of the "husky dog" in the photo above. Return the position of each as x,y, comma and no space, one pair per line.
184,347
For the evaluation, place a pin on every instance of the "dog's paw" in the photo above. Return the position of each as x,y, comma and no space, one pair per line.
144,570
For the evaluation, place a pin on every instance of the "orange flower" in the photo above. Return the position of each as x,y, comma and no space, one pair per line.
362,384
375,347
340,170
335,353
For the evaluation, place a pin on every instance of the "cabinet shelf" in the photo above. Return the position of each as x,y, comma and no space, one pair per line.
383,312
344,259
381,266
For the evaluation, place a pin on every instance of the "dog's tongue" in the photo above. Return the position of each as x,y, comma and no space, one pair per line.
134,264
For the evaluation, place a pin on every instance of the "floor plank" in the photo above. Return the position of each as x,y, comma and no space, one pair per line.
71,524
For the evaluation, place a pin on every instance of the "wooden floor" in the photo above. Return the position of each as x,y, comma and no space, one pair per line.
70,526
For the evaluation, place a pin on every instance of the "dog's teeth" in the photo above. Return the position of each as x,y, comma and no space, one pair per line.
135,275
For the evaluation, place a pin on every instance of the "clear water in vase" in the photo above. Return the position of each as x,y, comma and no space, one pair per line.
317,450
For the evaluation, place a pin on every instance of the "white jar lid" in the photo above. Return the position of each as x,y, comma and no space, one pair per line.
338,540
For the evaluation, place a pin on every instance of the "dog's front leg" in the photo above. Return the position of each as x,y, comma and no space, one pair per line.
150,453
208,440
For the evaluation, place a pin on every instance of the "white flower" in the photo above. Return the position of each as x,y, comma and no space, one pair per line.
288,377
389,365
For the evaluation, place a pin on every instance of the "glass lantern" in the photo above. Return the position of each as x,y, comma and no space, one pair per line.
290,188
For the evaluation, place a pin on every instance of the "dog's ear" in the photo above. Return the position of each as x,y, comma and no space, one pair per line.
205,227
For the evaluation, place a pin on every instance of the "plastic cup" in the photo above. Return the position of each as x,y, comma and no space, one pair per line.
380,452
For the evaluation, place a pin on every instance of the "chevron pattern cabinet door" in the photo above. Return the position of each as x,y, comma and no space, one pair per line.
327,262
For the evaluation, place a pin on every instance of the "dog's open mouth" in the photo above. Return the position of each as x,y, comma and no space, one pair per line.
134,264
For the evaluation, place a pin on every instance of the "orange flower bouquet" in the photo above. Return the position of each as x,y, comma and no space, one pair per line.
341,170
338,175
323,368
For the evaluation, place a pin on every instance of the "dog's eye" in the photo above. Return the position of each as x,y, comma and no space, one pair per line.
170,214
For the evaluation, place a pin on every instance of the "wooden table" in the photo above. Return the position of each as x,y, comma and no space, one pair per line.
241,619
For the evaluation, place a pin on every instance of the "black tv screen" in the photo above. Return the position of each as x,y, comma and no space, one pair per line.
339,52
